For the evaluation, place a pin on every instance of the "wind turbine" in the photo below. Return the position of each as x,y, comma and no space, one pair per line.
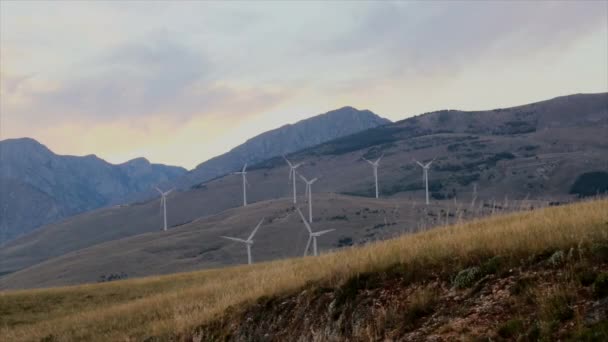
309,184
245,183
248,242
425,168
312,236
292,175
375,164
163,205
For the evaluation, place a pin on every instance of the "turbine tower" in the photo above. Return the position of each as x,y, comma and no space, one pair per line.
292,176
312,236
163,205
308,192
375,164
248,242
425,168
245,183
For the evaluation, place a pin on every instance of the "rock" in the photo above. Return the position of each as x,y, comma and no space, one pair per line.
597,312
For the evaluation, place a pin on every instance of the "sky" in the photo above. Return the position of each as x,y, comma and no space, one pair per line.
180,82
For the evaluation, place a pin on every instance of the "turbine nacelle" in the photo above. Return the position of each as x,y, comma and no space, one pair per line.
248,242
425,166
374,163
312,236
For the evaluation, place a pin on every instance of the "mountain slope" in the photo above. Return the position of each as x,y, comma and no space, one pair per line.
555,142
537,275
42,187
284,140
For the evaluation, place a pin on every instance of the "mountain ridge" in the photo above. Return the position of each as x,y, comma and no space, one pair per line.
60,186
284,140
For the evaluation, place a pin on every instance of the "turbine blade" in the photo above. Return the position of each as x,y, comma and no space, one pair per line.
168,192
304,220
419,163
234,239
307,245
323,232
157,189
297,166
255,230
313,180
378,160
244,167
288,162
303,178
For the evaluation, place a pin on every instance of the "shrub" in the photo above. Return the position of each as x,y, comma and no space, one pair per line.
422,304
600,285
586,276
555,307
594,333
557,258
345,241
492,265
511,328
599,251
590,183
467,277
521,286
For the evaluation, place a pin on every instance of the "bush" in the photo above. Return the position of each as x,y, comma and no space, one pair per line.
557,258
590,183
467,277
511,328
521,286
600,285
345,241
422,304
600,252
594,333
556,306
586,276
492,265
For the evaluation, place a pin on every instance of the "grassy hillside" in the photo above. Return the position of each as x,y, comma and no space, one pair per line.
175,306
197,245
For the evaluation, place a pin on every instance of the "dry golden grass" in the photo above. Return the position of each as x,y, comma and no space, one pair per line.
135,309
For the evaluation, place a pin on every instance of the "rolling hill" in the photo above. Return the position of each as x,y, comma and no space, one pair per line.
536,151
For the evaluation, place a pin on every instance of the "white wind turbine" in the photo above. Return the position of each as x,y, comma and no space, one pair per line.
243,172
248,242
375,165
425,168
163,205
312,236
292,175
308,192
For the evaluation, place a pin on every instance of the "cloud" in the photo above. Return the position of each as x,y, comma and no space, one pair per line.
138,68
152,76
418,39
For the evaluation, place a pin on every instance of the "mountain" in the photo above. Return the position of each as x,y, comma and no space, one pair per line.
284,140
484,160
40,186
